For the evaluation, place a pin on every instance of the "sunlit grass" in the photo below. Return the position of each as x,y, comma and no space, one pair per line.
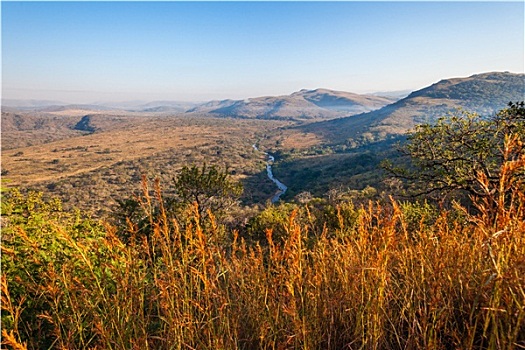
379,280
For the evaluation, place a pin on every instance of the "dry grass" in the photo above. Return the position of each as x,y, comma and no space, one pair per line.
91,171
31,165
299,140
380,283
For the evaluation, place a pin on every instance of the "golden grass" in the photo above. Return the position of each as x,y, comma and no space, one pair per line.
91,171
293,139
30,165
376,286
379,283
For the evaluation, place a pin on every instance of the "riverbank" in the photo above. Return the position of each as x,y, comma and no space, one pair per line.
281,188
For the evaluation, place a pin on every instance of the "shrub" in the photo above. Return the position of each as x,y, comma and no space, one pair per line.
382,276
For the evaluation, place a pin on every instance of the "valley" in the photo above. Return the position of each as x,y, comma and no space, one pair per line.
90,170
92,157
262,175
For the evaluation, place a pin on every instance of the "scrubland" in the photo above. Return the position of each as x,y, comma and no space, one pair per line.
93,170
352,269
331,275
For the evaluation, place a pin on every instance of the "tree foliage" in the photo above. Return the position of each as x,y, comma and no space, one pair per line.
41,241
205,189
209,187
465,152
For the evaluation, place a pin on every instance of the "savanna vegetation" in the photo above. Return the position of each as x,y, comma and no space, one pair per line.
95,170
352,269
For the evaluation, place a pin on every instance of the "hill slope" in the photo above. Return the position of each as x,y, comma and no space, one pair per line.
300,105
484,94
344,101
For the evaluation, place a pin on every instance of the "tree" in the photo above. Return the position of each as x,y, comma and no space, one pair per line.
209,187
466,153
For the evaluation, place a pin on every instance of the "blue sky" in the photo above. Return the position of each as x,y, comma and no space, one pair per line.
115,51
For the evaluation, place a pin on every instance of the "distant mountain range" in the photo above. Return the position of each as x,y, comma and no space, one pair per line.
131,106
158,106
300,105
29,104
484,94
335,115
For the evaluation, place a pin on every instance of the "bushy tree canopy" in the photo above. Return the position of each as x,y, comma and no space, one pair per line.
208,186
465,152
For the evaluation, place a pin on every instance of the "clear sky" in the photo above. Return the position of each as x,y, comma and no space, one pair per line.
114,51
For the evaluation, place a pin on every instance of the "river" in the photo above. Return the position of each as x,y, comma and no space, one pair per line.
281,188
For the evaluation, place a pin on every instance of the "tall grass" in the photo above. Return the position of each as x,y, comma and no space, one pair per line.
383,282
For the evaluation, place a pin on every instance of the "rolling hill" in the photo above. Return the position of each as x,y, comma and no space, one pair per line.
484,94
74,149
300,105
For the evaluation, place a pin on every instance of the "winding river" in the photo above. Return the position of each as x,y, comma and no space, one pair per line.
281,188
